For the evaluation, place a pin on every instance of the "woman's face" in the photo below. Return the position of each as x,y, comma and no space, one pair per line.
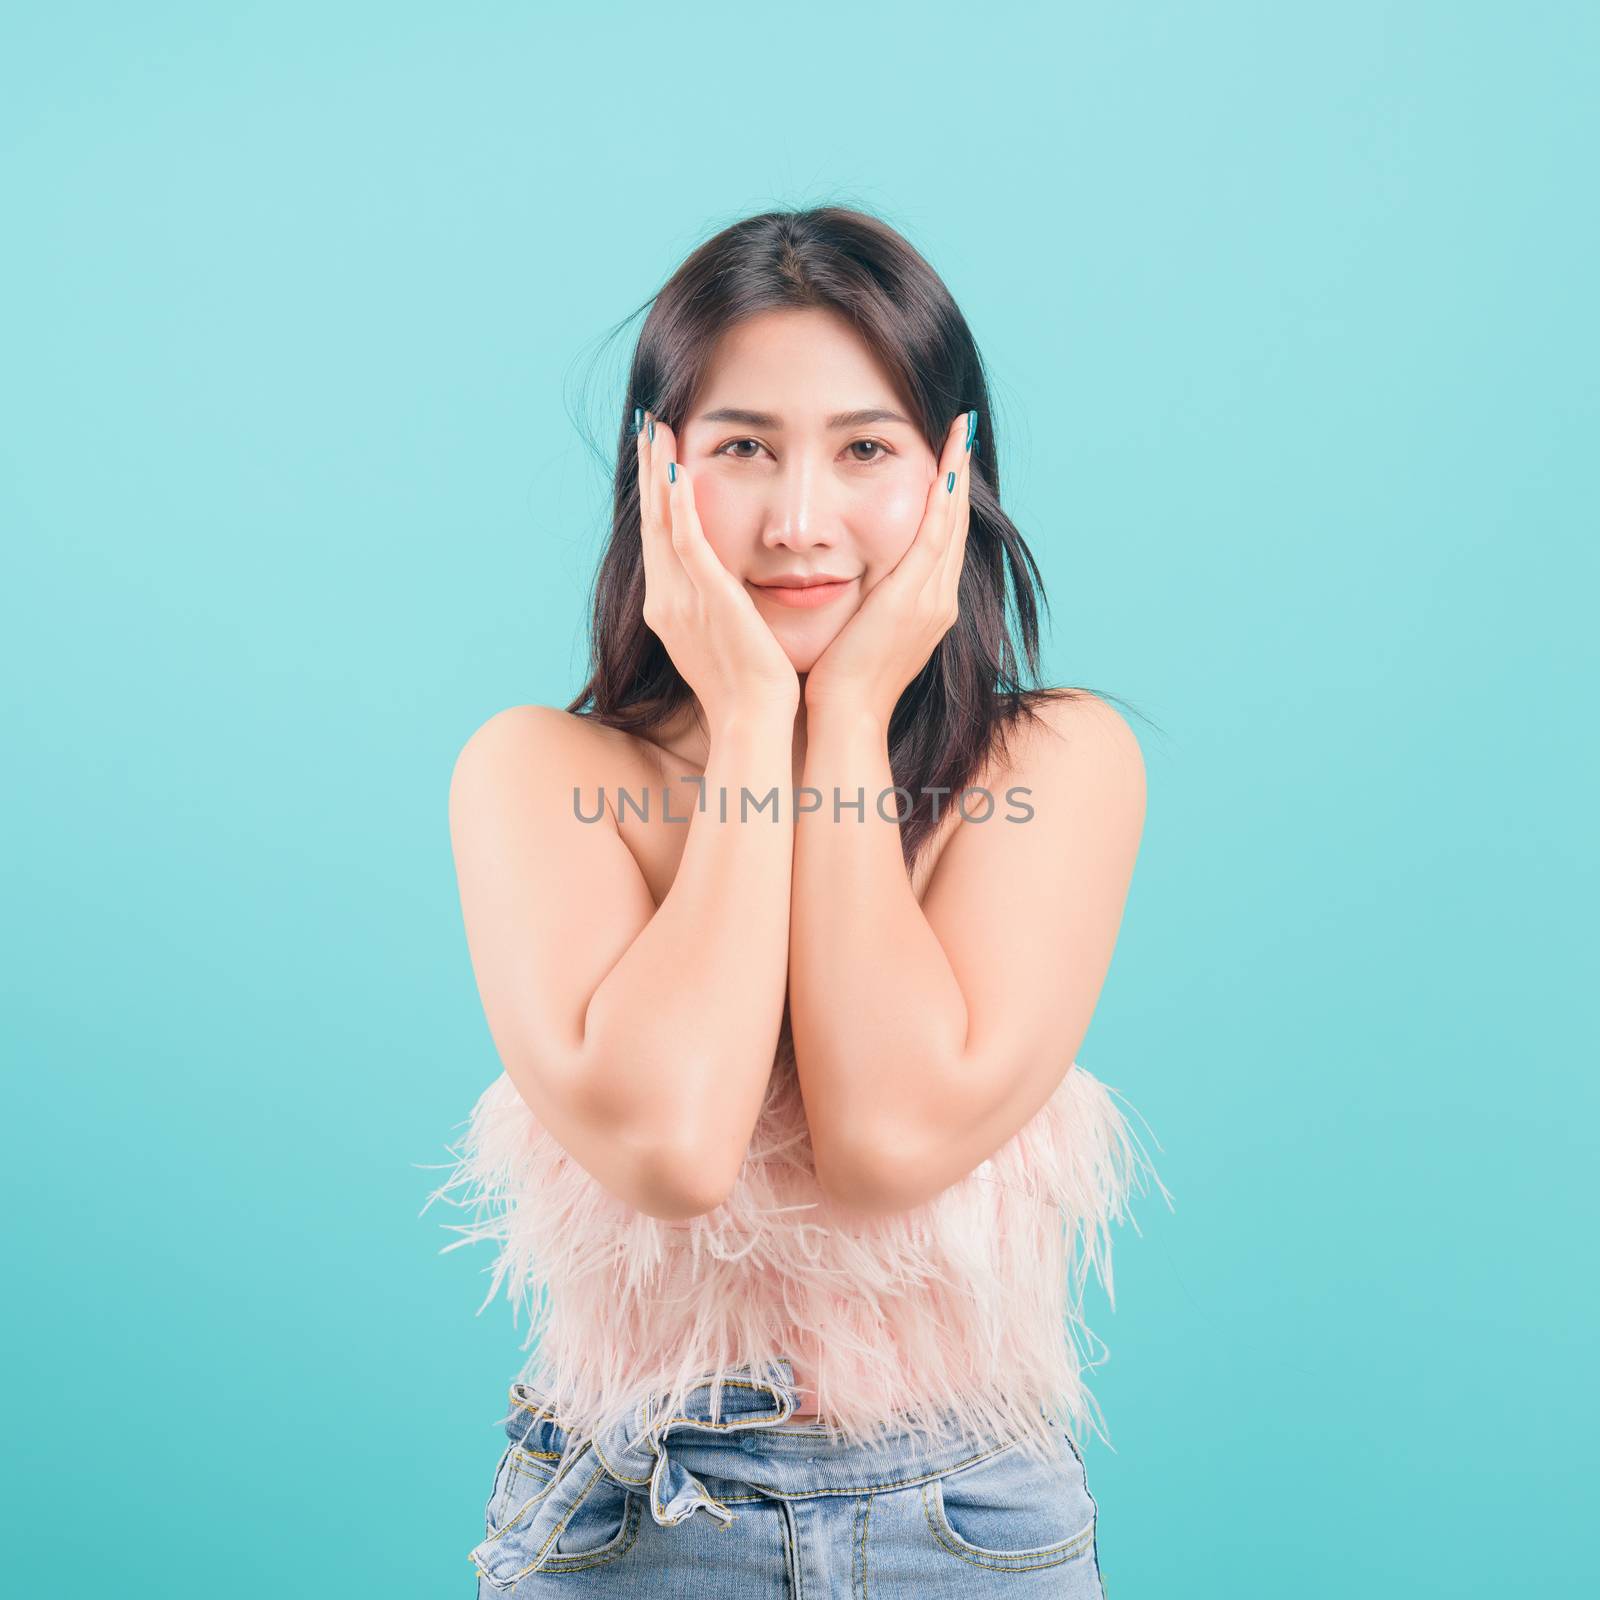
805,464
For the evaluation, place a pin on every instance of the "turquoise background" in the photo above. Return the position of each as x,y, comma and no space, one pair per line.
1290,315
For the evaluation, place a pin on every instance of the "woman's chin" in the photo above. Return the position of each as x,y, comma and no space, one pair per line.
803,642
804,657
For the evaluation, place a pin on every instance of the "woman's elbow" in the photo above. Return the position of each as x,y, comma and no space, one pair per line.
668,1175
675,1186
870,1181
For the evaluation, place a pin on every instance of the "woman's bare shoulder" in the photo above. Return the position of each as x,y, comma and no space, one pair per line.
1084,747
551,728
526,743
1069,710
1070,717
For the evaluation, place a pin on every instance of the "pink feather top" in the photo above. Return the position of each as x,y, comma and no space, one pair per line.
970,1303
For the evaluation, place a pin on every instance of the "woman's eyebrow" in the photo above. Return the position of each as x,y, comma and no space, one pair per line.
766,419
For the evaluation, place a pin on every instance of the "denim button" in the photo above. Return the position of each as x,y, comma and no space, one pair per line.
750,1442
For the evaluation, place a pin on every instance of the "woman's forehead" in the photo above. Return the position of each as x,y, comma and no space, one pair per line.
795,364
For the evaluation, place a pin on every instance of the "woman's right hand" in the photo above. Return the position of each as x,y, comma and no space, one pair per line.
702,614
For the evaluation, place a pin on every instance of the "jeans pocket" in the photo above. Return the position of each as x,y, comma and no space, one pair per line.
569,1525
519,1478
1012,1513
596,1521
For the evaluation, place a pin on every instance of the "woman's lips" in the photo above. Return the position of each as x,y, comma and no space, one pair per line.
814,594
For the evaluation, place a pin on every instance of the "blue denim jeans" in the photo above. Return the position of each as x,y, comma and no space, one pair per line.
755,1505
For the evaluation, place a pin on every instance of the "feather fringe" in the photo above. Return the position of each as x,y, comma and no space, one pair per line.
967,1308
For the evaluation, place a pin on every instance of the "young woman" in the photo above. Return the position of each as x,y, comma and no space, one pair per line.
787,930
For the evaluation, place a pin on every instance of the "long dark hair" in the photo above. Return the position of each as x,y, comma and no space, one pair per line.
955,713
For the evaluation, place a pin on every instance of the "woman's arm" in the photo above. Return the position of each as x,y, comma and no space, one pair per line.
642,1039
926,1035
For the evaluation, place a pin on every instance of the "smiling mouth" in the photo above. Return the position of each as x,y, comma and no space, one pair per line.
806,595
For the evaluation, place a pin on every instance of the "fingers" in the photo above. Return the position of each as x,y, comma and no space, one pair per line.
955,544
674,541
955,463
652,514
689,540
954,564
947,495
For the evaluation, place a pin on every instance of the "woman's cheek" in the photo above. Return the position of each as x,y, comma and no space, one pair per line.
894,514
716,504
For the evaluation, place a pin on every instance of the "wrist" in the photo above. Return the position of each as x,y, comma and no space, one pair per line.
850,717
757,718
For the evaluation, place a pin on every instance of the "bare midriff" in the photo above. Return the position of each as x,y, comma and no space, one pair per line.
806,1406
804,1381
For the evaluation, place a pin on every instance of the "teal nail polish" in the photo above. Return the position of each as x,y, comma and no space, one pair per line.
652,429
672,472
972,428
638,419
950,483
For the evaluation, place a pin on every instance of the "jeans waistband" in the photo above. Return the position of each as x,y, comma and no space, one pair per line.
661,1456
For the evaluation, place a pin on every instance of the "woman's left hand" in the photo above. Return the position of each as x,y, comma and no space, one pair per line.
907,612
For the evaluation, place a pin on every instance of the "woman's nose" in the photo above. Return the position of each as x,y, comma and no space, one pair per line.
800,514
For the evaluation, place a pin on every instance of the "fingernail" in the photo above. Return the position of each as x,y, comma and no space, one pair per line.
638,419
652,428
972,427
950,483
672,472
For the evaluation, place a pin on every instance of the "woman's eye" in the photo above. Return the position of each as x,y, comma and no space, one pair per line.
881,450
